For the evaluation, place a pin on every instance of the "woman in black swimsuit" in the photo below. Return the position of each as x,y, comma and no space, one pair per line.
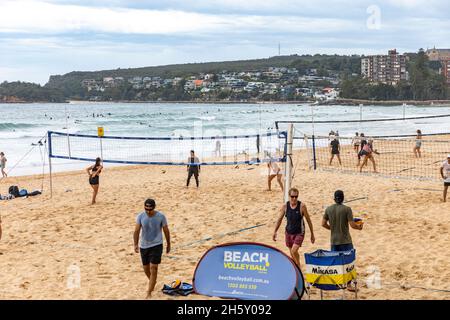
94,177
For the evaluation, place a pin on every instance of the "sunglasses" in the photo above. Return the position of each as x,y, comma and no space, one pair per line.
149,208
294,196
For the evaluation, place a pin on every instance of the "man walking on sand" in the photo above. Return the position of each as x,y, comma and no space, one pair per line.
445,174
150,223
337,218
294,211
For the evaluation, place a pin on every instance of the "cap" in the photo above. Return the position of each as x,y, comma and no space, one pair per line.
339,196
150,203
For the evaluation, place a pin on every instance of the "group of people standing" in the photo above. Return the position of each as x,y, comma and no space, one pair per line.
152,224
337,218
365,150
362,146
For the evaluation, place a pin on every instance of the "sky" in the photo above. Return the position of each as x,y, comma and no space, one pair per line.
39,38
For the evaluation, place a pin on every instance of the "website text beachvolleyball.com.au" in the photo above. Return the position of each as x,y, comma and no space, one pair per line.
255,261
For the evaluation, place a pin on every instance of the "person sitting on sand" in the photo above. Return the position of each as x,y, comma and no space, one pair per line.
3,164
335,150
193,168
445,174
337,218
94,177
294,211
148,226
274,171
418,145
367,154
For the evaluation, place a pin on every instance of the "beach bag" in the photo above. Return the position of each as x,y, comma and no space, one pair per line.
14,190
23,193
178,288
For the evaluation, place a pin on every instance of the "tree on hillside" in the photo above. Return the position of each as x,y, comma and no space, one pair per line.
419,76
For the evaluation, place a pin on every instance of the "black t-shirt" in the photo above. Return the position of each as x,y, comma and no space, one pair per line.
334,146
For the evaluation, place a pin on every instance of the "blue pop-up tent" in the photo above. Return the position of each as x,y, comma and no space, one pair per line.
250,271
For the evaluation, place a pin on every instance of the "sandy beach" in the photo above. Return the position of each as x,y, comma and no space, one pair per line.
405,235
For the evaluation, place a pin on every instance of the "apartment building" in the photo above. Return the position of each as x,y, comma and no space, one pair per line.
446,70
387,69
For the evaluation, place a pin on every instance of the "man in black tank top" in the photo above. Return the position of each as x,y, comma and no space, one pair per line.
294,211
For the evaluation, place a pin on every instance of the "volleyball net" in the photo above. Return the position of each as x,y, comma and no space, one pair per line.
396,155
217,150
392,156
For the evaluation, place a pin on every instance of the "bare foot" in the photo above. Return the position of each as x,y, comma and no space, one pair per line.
148,296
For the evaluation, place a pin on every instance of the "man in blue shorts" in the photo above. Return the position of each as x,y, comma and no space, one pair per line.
149,224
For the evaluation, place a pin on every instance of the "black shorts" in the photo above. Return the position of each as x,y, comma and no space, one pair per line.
446,184
335,152
151,255
94,181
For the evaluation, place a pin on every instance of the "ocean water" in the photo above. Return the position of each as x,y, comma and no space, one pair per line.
22,125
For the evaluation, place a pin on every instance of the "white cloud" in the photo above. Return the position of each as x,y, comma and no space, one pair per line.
42,37
41,17
49,18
